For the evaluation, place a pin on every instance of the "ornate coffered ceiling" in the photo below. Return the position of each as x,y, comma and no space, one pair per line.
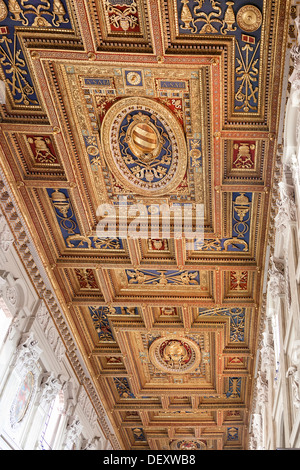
158,102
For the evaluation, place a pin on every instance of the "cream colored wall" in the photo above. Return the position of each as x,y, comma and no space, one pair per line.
33,331
275,418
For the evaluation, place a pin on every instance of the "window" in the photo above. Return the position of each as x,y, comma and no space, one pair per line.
53,423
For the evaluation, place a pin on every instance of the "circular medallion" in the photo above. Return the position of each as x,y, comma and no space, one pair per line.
144,146
175,354
134,78
249,18
185,444
92,150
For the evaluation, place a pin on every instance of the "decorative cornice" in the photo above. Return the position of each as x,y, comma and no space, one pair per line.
274,225
22,241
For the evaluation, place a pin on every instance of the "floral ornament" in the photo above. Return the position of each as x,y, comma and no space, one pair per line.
55,10
237,320
123,387
101,324
210,22
162,278
15,68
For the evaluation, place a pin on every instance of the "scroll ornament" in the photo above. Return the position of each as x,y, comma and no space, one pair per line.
49,389
277,282
27,354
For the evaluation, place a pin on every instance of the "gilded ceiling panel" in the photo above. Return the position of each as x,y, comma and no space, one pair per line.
136,107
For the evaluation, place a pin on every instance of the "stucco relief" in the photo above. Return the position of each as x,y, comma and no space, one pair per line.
286,214
6,236
277,281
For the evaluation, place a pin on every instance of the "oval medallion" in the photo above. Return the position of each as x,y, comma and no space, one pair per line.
144,146
249,18
22,399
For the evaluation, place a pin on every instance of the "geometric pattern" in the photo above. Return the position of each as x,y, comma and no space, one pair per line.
155,103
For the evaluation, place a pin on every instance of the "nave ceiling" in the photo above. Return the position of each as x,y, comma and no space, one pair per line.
156,102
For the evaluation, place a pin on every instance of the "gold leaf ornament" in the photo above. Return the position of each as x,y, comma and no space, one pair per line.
3,10
16,10
21,12
249,18
186,15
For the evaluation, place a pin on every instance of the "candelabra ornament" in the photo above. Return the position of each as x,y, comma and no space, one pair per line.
3,10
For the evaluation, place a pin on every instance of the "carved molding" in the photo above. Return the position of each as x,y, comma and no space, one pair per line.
277,281
294,375
267,352
87,407
49,388
27,353
72,432
262,388
6,237
286,208
256,432
16,325
46,323
294,168
13,292
285,215
22,241
12,295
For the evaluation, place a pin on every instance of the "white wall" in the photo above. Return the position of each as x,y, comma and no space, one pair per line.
275,420
32,348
